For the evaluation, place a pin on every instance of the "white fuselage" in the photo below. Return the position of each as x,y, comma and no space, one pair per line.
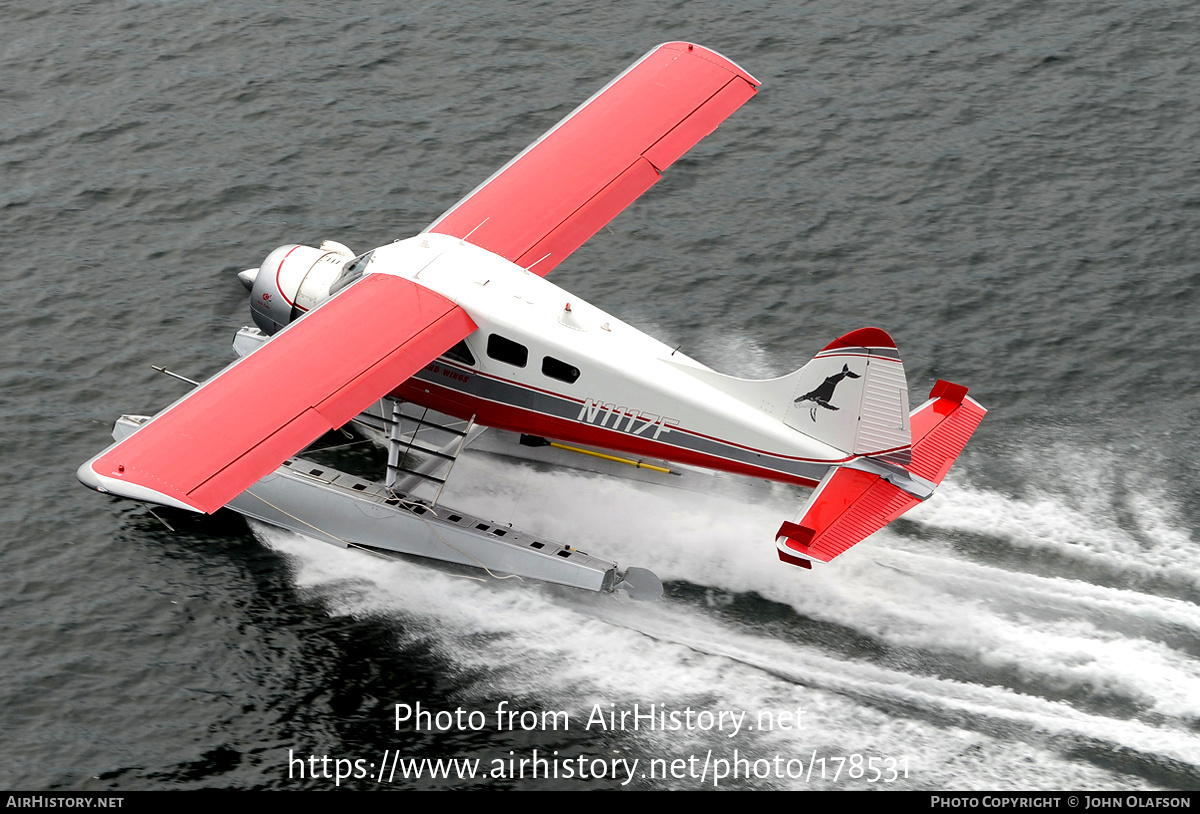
586,377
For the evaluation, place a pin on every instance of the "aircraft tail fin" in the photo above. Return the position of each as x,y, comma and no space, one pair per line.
856,500
853,396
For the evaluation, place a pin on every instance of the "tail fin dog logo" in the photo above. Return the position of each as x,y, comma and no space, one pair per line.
821,395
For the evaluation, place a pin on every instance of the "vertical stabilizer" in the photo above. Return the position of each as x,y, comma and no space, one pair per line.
854,396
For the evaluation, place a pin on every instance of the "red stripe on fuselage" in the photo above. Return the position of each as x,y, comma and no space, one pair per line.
581,402
521,420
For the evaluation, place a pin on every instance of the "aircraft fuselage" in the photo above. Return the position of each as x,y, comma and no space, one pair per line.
547,363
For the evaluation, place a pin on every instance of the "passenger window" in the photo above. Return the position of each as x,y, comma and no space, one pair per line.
461,353
506,350
556,369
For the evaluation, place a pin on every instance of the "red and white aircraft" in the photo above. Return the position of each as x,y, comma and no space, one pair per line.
461,320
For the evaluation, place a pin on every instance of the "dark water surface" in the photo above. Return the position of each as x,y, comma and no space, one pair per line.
1011,189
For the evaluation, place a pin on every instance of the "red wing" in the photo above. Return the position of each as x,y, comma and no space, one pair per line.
556,194
312,377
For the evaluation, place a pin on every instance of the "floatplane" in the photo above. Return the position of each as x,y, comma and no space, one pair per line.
431,341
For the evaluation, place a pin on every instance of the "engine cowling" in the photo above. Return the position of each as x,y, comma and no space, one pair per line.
292,281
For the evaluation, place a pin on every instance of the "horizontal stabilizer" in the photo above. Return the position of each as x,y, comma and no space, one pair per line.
941,428
850,504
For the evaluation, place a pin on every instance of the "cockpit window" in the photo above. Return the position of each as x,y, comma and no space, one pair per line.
461,353
351,272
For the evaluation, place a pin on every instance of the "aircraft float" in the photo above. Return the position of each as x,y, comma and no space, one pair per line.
456,330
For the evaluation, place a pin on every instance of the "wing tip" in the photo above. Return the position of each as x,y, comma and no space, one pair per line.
712,56
106,484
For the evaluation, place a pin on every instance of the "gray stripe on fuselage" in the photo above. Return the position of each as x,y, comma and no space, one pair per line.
505,392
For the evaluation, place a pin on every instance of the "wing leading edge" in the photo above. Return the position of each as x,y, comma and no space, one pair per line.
314,376
546,202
